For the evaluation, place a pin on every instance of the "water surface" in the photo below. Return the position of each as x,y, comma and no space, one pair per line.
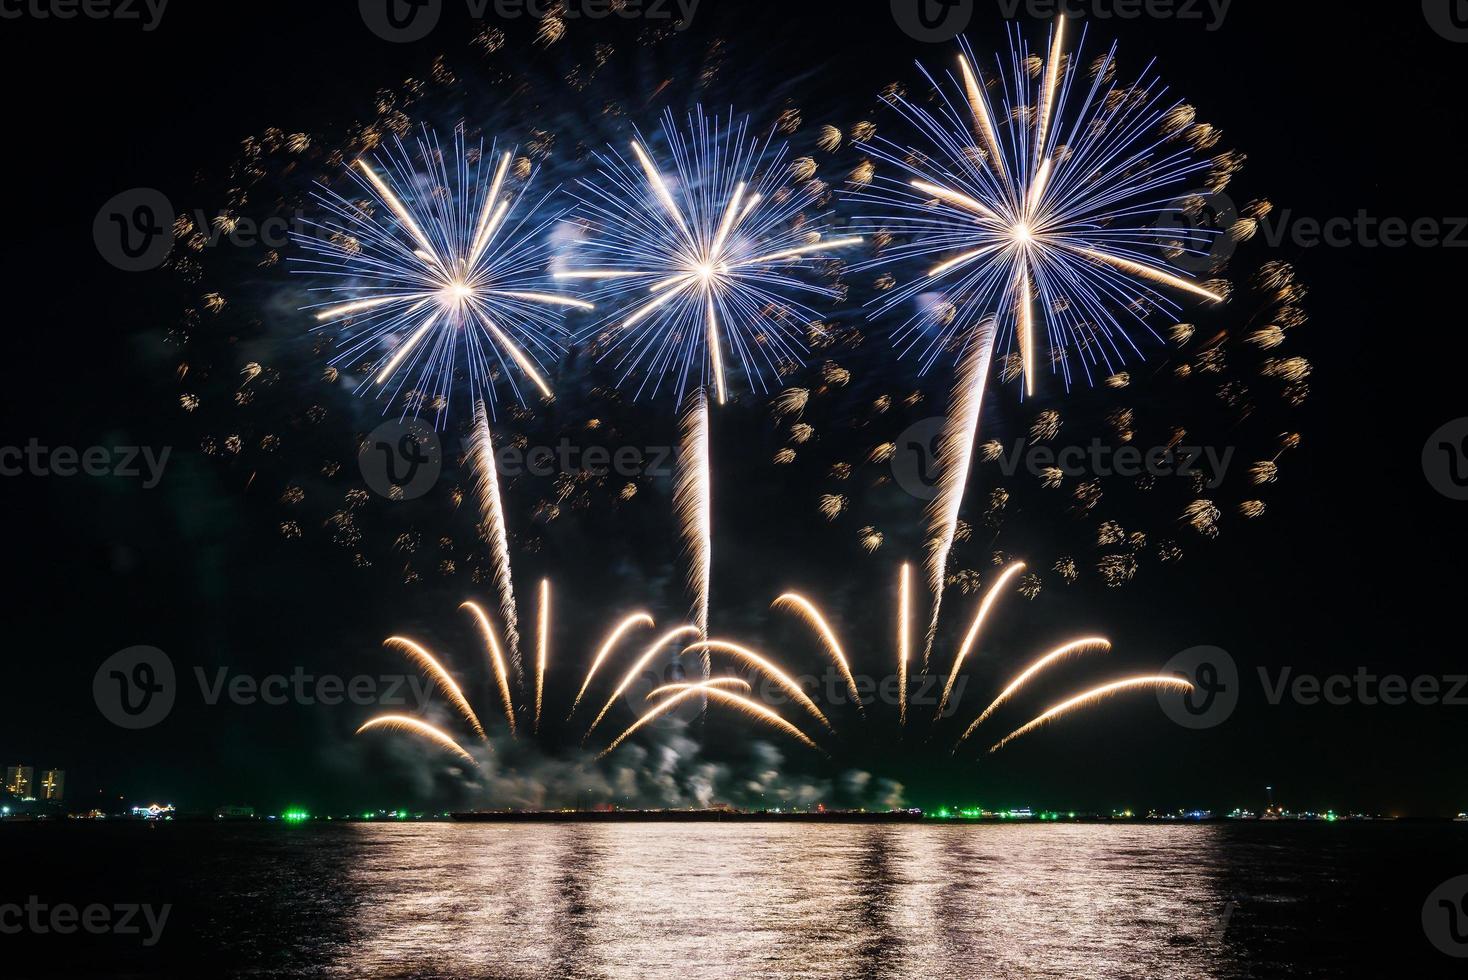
693,901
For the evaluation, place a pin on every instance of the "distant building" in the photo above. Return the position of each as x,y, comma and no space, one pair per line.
53,785
19,780
235,813
154,811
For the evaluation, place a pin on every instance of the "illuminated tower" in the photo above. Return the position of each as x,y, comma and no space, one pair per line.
53,784
18,780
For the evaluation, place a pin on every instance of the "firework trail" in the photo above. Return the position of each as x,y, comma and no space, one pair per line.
442,275
542,647
955,458
1089,698
904,639
803,607
426,662
715,682
995,591
1087,645
712,689
414,726
693,503
492,511
496,658
636,670
764,666
636,619
700,267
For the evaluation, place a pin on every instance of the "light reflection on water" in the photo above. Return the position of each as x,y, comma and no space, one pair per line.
774,900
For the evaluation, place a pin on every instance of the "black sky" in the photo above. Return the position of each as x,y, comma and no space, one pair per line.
1338,108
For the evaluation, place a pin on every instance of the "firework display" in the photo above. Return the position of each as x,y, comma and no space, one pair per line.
1031,221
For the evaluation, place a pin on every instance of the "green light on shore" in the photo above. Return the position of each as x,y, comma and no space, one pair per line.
295,816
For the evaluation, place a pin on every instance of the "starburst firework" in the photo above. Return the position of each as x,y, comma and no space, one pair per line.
700,265
434,269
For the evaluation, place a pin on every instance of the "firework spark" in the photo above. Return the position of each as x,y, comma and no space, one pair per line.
439,273
764,666
955,457
693,503
613,638
712,689
807,610
415,726
904,639
732,682
430,665
542,647
496,659
636,670
1086,645
492,512
1089,698
995,591
699,266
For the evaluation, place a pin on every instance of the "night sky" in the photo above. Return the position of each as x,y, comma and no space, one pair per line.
1357,563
